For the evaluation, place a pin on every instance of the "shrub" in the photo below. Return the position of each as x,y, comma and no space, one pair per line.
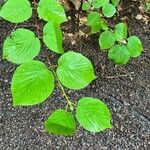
33,82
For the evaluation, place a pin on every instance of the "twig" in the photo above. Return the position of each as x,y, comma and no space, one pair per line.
36,21
15,27
117,76
78,19
51,67
69,103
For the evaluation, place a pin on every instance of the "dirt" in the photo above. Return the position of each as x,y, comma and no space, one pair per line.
125,89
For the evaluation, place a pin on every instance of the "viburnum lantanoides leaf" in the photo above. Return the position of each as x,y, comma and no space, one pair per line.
61,122
92,18
109,10
94,21
106,40
21,46
32,83
93,114
148,6
52,37
121,31
51,10
104,25
16,11
135,46
86,6
74,70
119,54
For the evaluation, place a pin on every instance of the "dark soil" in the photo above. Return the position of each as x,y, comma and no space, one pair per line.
126,90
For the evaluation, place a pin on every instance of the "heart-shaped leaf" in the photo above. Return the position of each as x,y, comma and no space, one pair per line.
51,10
121,31
21,46
106,40
119,54
109,10
16,11
61,123
94,21
135,46
32,83
93,114
74,70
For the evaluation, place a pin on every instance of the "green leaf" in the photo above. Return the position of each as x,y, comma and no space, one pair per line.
21,46
106,40
52,37
95,28
119,54
104,25
99,3
148,6
74,70
51,10
86,6
92,18
93,114
61,123
135,46
115,2
32,83
121,31
94,21
16,11
109,10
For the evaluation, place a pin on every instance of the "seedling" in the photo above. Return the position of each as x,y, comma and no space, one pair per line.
120,47
116,42
33,82
106,6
